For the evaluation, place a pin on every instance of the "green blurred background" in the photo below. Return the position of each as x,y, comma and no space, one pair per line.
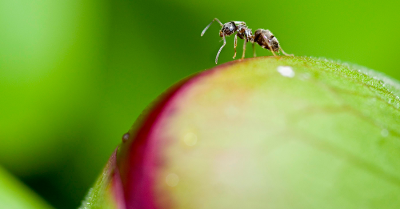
74,75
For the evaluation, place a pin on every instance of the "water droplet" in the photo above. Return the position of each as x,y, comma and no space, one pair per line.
172,179
190,139
125,137
286,71
385,132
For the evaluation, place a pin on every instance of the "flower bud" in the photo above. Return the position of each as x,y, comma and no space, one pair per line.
268,132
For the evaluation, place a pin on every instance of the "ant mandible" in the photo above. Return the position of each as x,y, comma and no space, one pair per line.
262,37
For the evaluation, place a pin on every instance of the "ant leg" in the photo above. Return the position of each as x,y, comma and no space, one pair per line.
235,45
270,48
215,19
254,51
219,51
244,47
285,52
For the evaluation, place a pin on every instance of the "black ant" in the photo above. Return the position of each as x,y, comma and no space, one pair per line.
263,37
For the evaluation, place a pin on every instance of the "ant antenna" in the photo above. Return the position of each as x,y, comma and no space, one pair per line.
205,29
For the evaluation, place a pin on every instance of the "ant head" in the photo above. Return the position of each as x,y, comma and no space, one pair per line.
228,29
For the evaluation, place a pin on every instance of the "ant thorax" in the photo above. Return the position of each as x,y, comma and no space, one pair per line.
245,33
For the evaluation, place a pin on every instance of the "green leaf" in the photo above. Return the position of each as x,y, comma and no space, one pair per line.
15,195
268,132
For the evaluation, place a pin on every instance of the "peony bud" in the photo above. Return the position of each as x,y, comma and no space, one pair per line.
268,132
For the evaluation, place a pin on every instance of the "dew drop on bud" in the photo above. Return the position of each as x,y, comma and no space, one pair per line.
190,139
172,179
286,71
125,137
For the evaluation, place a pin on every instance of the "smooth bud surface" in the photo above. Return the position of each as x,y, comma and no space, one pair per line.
267,132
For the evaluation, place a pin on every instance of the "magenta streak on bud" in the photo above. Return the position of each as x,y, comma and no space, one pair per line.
108,191
138,162
138,159
117,189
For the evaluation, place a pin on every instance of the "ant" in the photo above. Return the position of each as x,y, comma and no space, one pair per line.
264,38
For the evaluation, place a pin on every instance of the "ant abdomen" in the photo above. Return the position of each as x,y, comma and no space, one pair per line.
266,40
